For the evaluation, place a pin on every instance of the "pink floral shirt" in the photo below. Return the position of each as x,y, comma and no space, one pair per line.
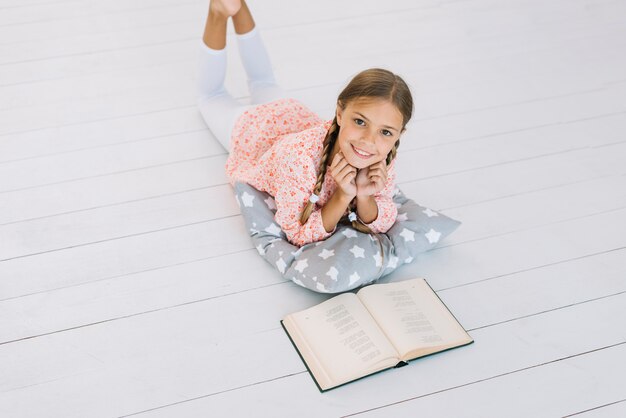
276,147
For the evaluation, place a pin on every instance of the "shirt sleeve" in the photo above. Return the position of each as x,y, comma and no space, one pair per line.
290,200
387,209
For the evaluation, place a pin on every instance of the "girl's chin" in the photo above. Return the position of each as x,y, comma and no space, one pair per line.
359,162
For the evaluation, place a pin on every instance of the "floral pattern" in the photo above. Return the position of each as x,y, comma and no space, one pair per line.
276,147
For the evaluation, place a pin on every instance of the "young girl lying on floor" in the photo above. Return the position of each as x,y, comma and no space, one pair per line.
319,172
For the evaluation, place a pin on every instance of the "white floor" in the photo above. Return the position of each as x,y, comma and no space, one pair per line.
128,285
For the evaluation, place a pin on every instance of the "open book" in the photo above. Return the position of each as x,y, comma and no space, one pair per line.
381,326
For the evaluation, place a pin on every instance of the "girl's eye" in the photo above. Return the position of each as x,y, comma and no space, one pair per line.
387,133
359,122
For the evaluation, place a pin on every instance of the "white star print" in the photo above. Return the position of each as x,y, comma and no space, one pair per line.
433,236
349,233
321,287
326,253
247,199
280,253
273,229
408,260
393,262
260,249
430,213
378,259
298,282
354,278
402,217
281,265
301,265
408,235
270,203
357,251
398,205
332,272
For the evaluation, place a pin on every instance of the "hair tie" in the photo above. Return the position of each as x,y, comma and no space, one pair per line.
352,216
314,198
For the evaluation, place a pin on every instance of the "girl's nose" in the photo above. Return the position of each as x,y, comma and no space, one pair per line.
368,137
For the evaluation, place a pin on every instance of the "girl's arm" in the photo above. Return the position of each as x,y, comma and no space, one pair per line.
378,211
345,178
334,209
290,200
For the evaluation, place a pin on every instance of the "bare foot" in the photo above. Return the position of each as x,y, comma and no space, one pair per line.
225,7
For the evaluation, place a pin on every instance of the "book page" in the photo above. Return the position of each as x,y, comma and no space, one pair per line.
344,339
413,317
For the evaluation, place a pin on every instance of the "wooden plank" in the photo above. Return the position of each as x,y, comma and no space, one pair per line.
35,172
435,104
120,23
147,251
612,409
150,101
583,381
165,360
201,207
518,132
47,89
467,259
456,187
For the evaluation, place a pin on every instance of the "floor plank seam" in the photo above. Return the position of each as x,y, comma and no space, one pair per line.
558,308
208,221
211,156
114,144
608,347
512,273
596,408
516,31
165,308
399,184
119,276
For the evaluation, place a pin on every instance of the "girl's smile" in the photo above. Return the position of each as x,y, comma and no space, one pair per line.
360,153
368,130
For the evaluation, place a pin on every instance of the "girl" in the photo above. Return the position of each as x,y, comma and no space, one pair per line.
319,172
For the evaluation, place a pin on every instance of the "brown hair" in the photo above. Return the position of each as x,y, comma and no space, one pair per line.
373,83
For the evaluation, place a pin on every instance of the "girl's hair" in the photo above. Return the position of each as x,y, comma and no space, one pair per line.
373,83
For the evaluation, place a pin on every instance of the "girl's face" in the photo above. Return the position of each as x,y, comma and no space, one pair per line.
368,130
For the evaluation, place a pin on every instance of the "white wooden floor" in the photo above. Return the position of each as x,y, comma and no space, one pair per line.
128,285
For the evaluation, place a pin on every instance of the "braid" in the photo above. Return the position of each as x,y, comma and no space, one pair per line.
329,142
393,152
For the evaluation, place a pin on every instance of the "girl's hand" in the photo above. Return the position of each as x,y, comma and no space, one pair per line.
371,180
344,175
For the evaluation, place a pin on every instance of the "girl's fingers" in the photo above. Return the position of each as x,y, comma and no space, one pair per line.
376,180
336,159
345,171
338,163
381,174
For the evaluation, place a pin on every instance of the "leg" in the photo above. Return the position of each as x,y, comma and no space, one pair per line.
218,108
261,82
215,27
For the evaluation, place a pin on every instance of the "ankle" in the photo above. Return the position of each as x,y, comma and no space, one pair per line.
217,15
